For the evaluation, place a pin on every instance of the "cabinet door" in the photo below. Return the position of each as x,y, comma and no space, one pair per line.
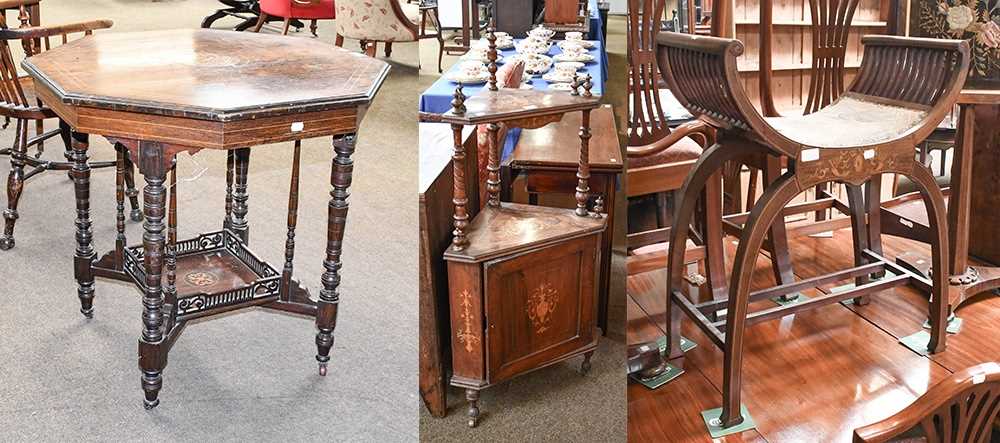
540,307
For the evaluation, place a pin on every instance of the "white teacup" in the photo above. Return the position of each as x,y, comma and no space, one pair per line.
573,49
574,35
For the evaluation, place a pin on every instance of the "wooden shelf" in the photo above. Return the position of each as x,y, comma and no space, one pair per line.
855,24
751,66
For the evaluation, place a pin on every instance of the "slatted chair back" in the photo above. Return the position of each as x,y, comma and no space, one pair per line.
16,92
960,409
647,122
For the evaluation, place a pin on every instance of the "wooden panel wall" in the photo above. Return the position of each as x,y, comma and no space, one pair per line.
792,46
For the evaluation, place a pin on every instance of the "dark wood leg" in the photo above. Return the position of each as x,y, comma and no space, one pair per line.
663,208
65,132
388,49
585,365
859,230
153,164
260,22
778,236
960,200
370,49
293,217
715,253
312,28
130,190
937,216
339,41
765,214
120,240
239,222
287,24
227,223
170,262
709,164
15,185
329,297
84,236
472,396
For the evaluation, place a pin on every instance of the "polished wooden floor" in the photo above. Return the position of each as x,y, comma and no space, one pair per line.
809,377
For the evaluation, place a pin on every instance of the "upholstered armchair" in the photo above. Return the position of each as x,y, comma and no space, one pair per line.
373,21
313,10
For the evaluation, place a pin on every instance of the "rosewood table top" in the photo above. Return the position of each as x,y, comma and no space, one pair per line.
219,78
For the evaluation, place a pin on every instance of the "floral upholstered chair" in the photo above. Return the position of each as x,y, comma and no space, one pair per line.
373,21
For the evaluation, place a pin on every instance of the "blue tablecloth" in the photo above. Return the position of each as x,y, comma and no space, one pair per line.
437,98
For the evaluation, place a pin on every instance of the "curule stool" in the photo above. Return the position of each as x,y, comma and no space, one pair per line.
522,279
904,88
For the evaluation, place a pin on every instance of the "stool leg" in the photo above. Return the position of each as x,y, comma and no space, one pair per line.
710,162
329,296
715,253
937,216
859,230
84,236
15,184
153,163
781,262
763,216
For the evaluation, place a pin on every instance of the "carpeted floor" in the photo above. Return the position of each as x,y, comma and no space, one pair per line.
249,376
555,403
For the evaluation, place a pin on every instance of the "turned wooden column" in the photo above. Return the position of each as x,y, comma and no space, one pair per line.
239,222
293,218
329,297
153,164
84,236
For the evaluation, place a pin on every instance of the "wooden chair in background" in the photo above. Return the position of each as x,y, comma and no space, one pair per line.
960,409
290,10
19,102
899,115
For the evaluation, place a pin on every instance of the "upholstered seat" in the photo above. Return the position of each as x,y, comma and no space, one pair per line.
851,121
684,149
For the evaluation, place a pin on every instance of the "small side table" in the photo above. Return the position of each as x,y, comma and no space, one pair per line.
971,203
547,157
101,85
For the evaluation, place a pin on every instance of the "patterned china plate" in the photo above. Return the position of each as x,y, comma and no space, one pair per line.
584,43
534,63
459,77
584,58
556,77
560,87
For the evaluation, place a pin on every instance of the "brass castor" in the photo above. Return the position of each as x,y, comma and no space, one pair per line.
322,369
585,366
472,396
150,404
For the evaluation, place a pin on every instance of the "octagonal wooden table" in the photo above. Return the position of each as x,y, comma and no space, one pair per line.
165,92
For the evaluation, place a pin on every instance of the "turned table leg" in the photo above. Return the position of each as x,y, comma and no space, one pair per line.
84,236
153,164
240,209
329,297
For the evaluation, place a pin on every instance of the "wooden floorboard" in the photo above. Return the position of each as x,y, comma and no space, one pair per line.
813,376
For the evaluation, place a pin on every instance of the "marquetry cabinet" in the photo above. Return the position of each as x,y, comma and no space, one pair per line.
522,279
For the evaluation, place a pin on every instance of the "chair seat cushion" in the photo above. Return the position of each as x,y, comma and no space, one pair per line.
849,122
684,149
323,10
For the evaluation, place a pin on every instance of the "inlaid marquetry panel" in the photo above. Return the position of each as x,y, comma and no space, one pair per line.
540,306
